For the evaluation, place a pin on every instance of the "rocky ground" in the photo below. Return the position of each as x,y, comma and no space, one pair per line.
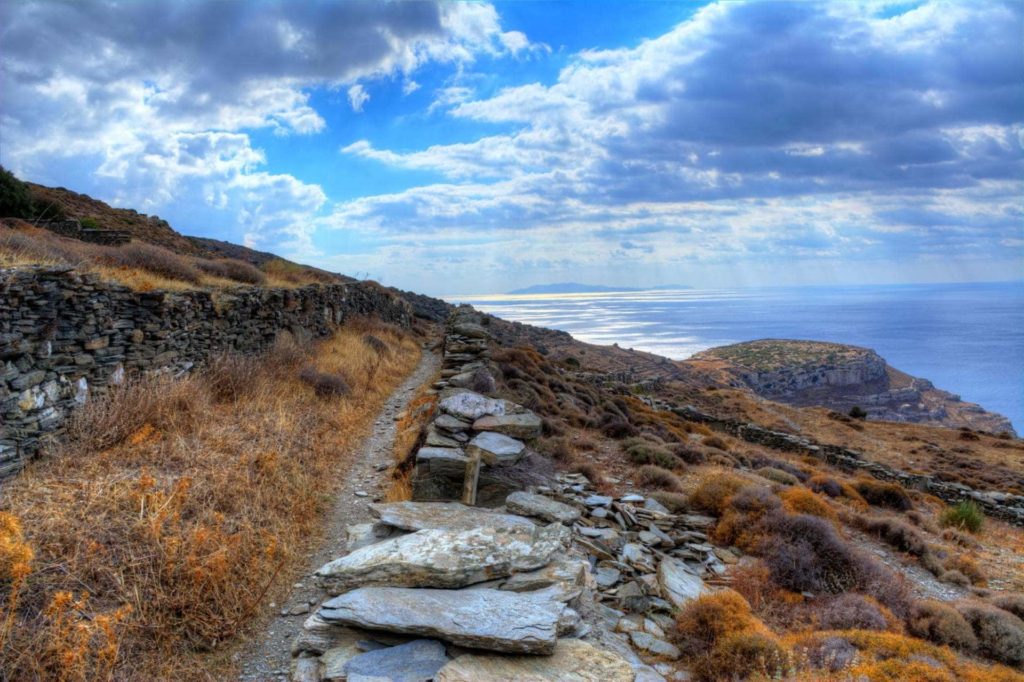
267,657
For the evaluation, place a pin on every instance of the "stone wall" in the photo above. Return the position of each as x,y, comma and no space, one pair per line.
66,335
73,228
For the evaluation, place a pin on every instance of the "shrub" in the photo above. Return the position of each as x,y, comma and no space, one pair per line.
240,271
711,617
324,385
714,490
481,381
941,624
618,428
891,495
853,611
805,554
1014,603
89,223
649,453
955,578
742,655
154,259
15,199
231,376
966,515
966,566
858,412
741,521
688,454
803,501
829,653
900,535
777,476
1000,634
715,442
560,449
654,476
674,502
820,483
590,470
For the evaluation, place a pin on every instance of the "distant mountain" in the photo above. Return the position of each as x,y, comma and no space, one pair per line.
577,288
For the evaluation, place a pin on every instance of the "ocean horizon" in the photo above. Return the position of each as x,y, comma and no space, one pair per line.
967,338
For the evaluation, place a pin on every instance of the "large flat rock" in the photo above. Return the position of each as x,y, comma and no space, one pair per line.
573,660
481,618
445,558
531,504
678,583
564,578
524,425
496,449
443,515
468,406
416,661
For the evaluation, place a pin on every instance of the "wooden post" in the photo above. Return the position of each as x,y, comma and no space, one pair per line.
472,477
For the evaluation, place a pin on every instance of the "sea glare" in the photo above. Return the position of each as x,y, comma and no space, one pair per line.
966,338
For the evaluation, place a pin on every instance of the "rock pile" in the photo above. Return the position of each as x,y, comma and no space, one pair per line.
473,436
561,584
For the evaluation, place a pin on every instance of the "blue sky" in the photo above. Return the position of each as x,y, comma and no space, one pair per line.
477,148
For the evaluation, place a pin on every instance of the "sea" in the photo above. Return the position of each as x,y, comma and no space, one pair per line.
966,338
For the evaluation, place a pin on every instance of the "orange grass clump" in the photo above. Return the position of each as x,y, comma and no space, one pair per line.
178,509
799,500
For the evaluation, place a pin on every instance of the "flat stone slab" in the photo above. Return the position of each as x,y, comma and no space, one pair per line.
652,645
438,440
495,620
415,661
678,583
541,507
445,558
448,423
566,576
470,329
496,449
449,462
415,516
573,660
525,426
468,406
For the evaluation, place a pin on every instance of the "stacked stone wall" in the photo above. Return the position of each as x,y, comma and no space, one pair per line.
65,336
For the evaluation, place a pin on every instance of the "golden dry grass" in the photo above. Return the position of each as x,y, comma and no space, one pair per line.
179,509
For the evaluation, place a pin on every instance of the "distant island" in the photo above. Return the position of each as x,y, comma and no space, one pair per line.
577,288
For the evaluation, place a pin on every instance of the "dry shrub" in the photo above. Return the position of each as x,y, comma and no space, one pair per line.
1014,603
715,442
1000,633
677,503
777,476
591,471
559,448
650,453
653,476
247,273
714,490
744,655
182,532
968,567
154,259
941,624
853,611
741,523
618,428
324,384
230,376
902,536
821,483
880,494
688,453
802,501
711,617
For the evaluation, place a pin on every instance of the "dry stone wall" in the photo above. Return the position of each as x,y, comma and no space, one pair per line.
65,336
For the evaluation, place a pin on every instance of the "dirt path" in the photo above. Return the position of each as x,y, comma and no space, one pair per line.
268,657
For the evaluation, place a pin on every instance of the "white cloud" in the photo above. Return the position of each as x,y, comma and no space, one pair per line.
357,97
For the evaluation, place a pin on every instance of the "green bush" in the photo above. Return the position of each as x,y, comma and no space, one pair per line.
966,515
15,199
89,223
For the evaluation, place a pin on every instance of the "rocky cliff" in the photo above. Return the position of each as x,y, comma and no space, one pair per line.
842,377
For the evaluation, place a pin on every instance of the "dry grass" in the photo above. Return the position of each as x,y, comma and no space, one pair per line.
143,266
178,512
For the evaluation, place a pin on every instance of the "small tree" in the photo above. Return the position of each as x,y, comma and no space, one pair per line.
858,412
15,199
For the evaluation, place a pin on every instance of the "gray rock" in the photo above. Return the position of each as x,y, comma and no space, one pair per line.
305,670
448,462
447,422
652,504
438,440
469,406
525,426
485,619
566,576
572,660
652,645
415,661
496,449
473,331
444,515
541,507
445,558
678,583
597,501
606,576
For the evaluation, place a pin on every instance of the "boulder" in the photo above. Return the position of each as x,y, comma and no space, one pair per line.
415,661
473,331
445,558
496,449
538,506
469,406
573,660
484,619
678,583
415,516
525,425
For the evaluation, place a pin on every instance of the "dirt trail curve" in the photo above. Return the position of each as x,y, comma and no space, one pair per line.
268,656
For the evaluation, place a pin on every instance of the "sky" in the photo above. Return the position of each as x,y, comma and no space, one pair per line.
479,147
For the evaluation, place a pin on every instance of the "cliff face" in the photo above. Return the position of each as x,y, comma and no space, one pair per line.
840,377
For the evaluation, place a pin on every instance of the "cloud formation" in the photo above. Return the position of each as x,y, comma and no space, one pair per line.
758,130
